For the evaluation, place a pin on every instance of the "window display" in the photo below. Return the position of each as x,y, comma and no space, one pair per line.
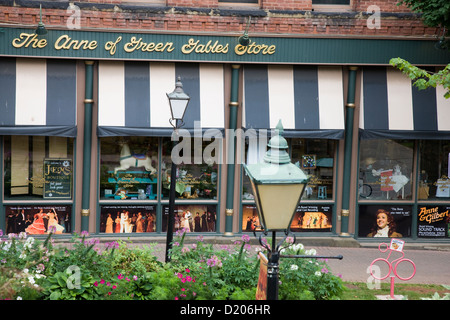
386,169
197,170
434,182
38,167
128,168
314,156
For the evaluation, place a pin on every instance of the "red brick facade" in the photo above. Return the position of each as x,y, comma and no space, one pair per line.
292,17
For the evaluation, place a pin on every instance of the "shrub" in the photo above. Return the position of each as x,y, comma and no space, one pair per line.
307,278
31,269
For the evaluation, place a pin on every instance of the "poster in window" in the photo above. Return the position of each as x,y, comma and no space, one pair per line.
250,218
38,219
192,218
127,219
58,178
312,218
385,221
433,221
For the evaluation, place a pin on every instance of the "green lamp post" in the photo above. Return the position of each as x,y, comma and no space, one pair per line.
277,186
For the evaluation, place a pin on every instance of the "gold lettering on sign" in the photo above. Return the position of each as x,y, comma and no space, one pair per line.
65,42
432,215
137,44
112,46
209,47
29,39
254,48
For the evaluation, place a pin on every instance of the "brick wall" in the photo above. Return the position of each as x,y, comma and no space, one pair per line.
274,17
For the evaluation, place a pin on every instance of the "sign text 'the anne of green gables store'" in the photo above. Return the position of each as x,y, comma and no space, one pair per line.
79,44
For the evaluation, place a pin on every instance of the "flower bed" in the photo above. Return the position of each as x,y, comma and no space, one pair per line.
88,270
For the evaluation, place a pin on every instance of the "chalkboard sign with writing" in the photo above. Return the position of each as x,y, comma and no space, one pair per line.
58,178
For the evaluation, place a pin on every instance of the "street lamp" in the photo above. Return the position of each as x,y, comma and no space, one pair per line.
40,30
277,186
178,102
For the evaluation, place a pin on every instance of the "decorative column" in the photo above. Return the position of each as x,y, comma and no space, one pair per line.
229,211
87,145
349,117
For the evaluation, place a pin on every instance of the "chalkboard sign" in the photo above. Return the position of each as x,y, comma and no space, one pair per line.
58,178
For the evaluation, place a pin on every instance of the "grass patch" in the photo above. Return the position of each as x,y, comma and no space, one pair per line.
360,291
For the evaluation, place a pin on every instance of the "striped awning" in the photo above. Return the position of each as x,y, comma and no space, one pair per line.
132,97
309,100
391,107
38,97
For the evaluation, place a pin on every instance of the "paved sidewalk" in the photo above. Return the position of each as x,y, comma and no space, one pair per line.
432,266
432,260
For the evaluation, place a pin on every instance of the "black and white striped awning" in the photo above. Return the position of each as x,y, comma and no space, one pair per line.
391,107
38,97
309,100
132,97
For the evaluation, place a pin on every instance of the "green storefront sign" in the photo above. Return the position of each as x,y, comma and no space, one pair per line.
79,44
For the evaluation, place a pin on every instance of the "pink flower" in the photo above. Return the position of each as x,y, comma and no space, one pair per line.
95,284
176,298
120,277
183,289
135,278
114,286
102,281
187,270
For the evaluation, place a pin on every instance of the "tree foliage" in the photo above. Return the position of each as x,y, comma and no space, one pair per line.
435,13
424,79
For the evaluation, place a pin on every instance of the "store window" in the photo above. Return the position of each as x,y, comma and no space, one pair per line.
314,156
197,168
128,168
38,168
385,171
434,170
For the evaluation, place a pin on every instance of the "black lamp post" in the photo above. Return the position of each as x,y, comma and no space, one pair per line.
277,186
178,102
